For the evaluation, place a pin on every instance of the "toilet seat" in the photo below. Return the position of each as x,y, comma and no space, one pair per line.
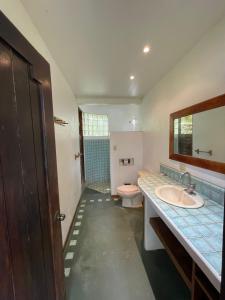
128,189
131,196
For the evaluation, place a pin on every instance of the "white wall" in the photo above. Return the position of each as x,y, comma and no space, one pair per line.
198,76
125,145
64,106
119,115
126,137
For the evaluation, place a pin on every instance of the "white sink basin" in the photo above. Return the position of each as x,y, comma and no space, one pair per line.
176,195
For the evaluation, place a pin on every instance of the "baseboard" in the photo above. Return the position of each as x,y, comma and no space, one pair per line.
83,187
71,224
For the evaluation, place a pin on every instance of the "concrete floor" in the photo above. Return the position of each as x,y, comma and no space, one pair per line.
109,261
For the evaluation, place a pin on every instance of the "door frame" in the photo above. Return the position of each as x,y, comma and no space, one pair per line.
81,140
40,72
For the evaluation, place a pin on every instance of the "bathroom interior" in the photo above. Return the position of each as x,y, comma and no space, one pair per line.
138,133
96,160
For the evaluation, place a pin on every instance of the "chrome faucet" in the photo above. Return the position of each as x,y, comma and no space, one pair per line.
190,187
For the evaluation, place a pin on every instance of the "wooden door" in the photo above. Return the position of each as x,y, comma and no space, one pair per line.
80,114
6,280
31,260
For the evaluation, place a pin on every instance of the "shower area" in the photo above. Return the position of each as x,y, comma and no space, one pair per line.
96,152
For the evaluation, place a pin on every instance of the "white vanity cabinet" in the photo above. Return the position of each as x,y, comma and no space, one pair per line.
151,240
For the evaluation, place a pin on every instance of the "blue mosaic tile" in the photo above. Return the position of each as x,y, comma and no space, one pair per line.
201,245
205,189
164,205
217,196
216,242
190,232
215,259
215,209
216,228
205,210
215,218
195,212
221,214
97,161
182,212
191,220
203,230
179,221
171,213
203,219
209,203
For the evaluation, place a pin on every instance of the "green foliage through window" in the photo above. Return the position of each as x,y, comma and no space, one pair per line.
183,125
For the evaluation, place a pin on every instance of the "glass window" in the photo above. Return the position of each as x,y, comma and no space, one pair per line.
95,125
183,125
186,125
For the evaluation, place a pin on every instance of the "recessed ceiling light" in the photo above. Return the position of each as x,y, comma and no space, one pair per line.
146,49
132,77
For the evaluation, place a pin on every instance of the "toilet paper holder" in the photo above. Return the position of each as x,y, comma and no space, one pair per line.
126,161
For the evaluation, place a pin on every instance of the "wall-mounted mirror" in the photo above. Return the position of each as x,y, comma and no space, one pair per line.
197,134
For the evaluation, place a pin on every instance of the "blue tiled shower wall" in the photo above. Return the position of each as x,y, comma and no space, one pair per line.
97,161
205,188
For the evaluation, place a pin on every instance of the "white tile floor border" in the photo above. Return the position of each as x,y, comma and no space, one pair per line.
67,272
69,255
73,242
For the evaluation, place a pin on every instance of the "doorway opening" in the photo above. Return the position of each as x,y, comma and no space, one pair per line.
96,146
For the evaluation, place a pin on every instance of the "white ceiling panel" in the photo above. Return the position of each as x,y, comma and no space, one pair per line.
98,43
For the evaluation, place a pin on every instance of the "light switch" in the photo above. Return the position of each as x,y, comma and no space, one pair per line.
114,148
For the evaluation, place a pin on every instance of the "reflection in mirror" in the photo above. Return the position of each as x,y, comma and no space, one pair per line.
183,135
201,135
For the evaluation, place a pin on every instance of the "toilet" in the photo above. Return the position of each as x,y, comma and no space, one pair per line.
131,194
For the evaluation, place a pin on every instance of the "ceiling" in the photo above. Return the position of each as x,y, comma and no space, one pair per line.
98,43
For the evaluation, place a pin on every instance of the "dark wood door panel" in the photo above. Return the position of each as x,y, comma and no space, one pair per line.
13,185
36,109
17,149
23,171
6,280
28,175
28,156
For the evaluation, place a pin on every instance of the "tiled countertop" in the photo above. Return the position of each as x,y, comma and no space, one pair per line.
199,230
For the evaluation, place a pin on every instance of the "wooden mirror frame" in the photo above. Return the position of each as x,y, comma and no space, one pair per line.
195,161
